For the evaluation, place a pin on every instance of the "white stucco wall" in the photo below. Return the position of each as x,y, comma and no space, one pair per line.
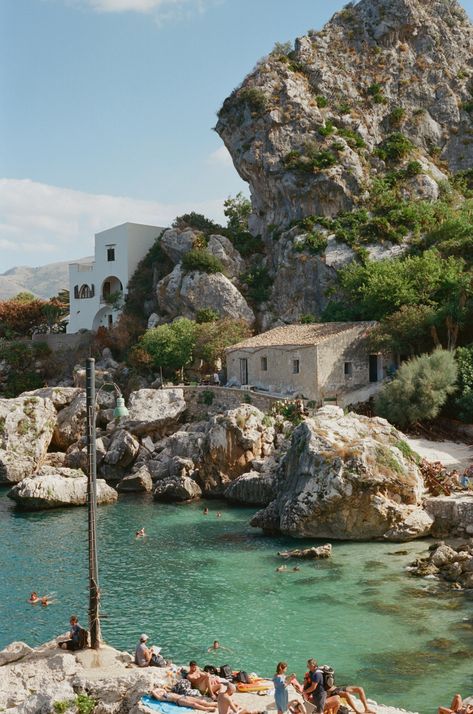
131,242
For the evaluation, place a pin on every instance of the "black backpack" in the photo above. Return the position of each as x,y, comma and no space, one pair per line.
83,640
242,677
328,674
226,672
211,669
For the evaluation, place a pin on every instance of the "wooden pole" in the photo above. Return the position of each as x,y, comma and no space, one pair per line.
94,591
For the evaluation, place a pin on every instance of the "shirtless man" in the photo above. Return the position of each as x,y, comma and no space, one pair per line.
225,703
345,691
203,681
182,700
457,707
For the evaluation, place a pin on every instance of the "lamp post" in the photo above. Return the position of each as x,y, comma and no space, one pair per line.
119,411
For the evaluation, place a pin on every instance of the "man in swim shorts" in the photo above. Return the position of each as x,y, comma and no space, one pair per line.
203,681
344,691
182,700
226,704
458,706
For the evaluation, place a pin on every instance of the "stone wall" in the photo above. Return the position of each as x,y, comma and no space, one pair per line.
63,341
223,398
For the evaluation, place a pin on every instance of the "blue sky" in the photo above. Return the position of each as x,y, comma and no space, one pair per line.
108,108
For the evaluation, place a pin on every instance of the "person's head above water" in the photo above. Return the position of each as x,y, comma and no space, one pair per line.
216,644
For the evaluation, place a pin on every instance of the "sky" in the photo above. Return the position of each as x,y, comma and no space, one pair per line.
107,109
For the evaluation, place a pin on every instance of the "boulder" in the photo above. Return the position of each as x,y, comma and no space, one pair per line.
183,294
26,428
122,449
176,243
139,481
346,477
14,652
251,489
223,249
314,553
153,411
56,488
60,396
178,488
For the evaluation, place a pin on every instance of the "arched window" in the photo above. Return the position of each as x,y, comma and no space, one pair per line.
85,291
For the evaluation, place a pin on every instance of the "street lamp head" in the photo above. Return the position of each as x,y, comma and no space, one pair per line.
120,409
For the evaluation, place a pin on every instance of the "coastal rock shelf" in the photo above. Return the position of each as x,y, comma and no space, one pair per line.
39,678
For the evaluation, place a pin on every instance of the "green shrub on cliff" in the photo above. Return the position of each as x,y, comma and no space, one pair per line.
201,259
419,390
396,146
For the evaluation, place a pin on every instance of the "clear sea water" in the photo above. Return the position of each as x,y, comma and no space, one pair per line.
197,578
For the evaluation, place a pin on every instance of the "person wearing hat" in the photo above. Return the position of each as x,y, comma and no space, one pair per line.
143,653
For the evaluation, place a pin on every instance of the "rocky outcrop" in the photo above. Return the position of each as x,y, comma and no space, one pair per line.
139,481
178,487
56,488
176,243
26,428
183,294
453,563
252,489
153,411
372,58
347,477
314,553
13,652
122,449
452,515
223,249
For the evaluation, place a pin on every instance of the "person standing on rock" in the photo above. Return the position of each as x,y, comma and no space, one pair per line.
315,692
280,687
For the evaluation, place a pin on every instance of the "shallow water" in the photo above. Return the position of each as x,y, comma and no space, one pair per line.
196,578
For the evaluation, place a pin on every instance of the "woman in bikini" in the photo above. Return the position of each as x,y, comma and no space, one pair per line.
182,700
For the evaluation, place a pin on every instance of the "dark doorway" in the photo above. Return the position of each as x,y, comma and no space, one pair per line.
373,368
243,371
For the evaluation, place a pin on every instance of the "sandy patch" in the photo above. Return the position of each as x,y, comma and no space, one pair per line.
449,453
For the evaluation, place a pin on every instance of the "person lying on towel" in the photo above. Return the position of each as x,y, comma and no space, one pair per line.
182,700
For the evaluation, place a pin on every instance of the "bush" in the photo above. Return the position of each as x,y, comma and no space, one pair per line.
170,346
258,284
312,160
397,115
464,396
206,397
255,98
327,129
198,222
140,285
207,314
376,92
321,101
396,146
201,259
419,390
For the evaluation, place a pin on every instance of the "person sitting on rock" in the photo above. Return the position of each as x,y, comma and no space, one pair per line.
182,700
226,704
458,706
148,656
344,691
203,681
74,643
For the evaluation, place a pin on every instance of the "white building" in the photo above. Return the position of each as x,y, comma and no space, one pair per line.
97,290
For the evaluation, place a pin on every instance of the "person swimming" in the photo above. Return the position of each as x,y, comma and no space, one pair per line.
141,533
43,599
34,598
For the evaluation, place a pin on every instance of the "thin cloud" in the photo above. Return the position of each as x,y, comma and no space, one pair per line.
162,11
221,157
40,223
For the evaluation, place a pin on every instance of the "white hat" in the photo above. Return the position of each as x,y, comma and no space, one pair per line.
143,638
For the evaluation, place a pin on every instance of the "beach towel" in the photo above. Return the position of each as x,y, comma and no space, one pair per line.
165,707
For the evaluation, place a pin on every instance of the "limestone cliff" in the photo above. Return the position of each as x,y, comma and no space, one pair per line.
304,126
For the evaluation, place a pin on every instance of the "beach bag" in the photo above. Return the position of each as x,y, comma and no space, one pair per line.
211,669
226,672
83,640
242,677
328,674
157,661
182,686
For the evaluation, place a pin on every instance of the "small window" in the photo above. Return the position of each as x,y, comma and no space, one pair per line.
110,320
348,369
295,366
264,364
110,254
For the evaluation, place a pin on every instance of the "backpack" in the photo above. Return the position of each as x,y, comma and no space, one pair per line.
211,669
226,672
83,640
242,677
328,674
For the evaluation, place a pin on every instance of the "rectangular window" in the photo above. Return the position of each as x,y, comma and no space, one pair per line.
264,364
295,366
348,369
110,254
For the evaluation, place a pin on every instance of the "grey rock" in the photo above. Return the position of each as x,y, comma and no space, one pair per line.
314,553
151,411
122,449
53,489
176,243
223,249
252,488
138,481
452,515
179,488
13,652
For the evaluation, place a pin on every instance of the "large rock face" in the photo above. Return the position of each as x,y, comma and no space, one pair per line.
151,411
453,515
55,488
183,293
371,58
26,428
347,477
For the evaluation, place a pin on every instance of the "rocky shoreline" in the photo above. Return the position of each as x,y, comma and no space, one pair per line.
33,681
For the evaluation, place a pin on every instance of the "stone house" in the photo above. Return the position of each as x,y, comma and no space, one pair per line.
317,361
97,290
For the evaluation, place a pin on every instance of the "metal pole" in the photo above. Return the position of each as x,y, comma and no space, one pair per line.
94,591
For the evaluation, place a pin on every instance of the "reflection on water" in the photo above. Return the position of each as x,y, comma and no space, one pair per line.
194,579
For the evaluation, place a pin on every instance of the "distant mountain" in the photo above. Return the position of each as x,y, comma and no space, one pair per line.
43,282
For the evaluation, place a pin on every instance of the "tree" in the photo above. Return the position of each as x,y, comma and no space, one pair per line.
213,337
19,318
464,397
237,210
170,346
408,331
419,390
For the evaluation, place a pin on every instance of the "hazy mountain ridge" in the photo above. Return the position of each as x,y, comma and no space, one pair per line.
43,281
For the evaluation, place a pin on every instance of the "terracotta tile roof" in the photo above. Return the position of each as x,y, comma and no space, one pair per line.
300,334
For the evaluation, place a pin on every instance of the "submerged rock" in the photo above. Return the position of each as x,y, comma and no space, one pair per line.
321,551
346,477
453,563
55,488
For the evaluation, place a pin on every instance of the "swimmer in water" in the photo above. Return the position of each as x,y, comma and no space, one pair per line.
281,568
205,512
141,533
219,515
34,598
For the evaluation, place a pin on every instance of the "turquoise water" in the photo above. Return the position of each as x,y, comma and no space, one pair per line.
198,578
